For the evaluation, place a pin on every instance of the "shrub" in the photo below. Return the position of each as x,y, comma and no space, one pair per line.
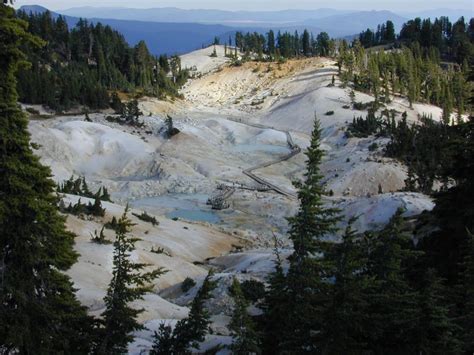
373,147
32,111
253,290
187,284
147,218
100,238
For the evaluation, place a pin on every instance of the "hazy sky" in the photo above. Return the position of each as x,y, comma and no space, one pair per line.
398,5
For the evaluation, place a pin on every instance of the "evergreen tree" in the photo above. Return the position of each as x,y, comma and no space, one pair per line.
307,284
38,309
436,331
465,296
116,104
190,331
276,299
392,301
271,43
346,319
306,43
128,284
241,325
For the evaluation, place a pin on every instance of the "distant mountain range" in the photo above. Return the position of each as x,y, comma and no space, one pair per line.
172,30
231,18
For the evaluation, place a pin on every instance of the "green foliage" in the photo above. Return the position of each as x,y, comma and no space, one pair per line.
253,290
171,130
190,331
214,53
425,148
306,291
116,104
415,69
91,209
147,218
100,238
131,113
385,34
346,318
285,45
129,283
274,307
113,224
79,187
187,284
373,125
79,66
39,313
241,326
373,147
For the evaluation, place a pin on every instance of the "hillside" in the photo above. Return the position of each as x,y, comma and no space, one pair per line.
231,119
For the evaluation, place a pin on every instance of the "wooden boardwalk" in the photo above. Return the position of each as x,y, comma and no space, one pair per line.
294,150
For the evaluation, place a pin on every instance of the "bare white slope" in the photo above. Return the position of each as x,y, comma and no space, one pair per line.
183,245
201,62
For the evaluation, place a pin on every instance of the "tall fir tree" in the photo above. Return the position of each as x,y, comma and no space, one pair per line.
274,303
307,283
465,296
392,300
346,318
436,331
38,309
128,284
190,331
241,326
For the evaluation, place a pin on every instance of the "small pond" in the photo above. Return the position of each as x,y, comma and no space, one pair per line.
191,207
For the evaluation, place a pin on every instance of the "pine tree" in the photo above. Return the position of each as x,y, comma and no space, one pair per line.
246,340
96,208
465,295
392,301
128,284
275,301
346,318
307,286
39,312
436,331
190,331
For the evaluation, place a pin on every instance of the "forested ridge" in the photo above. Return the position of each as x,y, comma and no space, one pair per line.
427,64
84,64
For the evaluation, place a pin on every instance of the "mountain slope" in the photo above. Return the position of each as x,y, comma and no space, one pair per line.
172,14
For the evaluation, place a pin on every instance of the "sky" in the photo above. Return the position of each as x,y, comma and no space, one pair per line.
394,5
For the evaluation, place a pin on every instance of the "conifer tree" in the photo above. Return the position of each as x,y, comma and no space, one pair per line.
128,284
465,296
39,313
436,331
308,288
275,301
246,340
392,300
190,331
346,318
